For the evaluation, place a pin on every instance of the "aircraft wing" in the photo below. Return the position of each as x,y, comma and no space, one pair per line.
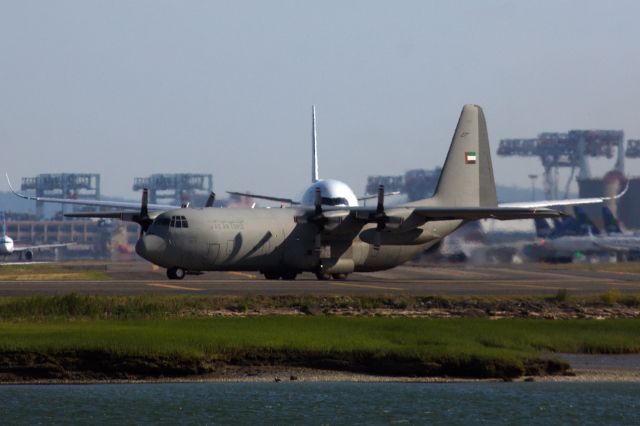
129,216
265,197
473,213
404,214
41,247
94,203
568,202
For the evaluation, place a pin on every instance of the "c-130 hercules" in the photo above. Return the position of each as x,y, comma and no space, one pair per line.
334,241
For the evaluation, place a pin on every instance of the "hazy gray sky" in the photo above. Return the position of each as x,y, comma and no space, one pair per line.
130,88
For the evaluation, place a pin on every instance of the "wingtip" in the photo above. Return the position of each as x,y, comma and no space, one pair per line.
9,183
621,194
14,191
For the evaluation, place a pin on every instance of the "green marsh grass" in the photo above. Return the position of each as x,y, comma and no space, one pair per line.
421,338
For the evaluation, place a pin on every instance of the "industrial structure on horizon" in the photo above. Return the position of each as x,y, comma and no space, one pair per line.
175,188
573,150
67,185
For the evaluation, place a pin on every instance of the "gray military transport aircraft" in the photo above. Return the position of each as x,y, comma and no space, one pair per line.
328,241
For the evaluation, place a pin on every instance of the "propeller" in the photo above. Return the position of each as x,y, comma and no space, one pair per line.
143,218
319,220
381,218
210,200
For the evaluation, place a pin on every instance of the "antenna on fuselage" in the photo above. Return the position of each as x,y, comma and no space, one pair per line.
314,146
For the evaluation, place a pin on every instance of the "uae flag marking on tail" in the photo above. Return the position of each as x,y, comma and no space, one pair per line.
470,157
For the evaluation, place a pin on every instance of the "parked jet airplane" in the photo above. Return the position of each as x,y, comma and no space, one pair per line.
333,241
7,248
333,192
582,236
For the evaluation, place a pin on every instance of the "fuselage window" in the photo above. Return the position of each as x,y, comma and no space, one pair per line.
185,223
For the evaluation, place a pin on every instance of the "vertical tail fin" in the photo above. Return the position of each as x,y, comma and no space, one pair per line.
584,222
314,147
543,230
611,224
467,179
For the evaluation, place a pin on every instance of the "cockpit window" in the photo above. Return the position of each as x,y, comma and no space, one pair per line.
178,222
338,201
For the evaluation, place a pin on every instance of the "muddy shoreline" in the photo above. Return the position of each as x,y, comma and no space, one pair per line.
607,371
99,366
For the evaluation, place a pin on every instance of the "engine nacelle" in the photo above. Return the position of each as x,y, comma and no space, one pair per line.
28,255
337,266
388,237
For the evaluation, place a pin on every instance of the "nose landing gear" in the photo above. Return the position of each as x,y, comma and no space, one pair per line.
276,275
321,276
176,273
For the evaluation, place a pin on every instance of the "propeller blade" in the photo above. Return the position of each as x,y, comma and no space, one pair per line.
143,218
380,208
378,240
210,200
317,246
381,219
144,209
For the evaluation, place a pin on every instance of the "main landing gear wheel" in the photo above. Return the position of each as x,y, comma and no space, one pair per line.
272,276
175,273
339,276
289,275
322,276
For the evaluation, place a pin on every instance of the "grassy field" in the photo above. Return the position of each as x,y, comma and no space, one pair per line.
421,337
180,306
465,347
49,271
97,337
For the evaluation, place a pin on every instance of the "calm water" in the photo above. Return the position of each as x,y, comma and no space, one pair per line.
323,403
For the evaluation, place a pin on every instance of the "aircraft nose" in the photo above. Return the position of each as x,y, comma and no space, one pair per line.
150,245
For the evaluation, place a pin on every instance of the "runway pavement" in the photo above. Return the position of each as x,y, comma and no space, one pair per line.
141,278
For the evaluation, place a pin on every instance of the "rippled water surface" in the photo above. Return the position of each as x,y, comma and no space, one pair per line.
323,403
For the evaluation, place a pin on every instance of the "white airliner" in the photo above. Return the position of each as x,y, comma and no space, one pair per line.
7,248
334,193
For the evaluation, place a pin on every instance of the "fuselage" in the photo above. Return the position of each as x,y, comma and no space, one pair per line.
271,240
6,246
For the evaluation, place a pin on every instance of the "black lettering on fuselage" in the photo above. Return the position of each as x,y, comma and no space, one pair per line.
220,225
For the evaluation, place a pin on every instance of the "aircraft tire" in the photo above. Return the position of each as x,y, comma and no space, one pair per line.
289,275
339,276
175,273
322,276
271,275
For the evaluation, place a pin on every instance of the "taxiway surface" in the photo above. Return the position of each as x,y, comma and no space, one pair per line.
141,278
